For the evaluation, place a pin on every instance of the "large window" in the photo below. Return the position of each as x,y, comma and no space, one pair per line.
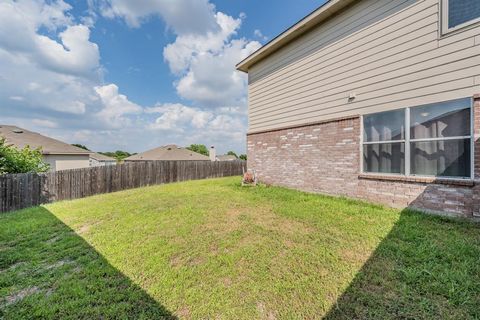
430,140
459,13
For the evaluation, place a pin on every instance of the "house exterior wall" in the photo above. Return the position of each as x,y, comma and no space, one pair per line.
97,163
325,158
390,53
65,162
305,128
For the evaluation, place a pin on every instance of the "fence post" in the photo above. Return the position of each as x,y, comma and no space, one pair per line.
18,191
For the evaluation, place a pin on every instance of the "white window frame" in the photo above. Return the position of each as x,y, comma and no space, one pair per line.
407,141
366,143
444,19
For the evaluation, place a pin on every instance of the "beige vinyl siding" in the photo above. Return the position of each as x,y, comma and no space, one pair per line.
389,53
65,162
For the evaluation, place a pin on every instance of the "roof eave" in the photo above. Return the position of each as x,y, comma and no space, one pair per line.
53,153
310,21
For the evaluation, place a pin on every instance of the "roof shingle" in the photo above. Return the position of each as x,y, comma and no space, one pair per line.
20,138
169,152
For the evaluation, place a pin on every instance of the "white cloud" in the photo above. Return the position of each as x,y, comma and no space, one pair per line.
16,98
204,57
212,79
206,64
237,111
183,16
75,55
51,72
30,85
20,20
19,32
260,35
224,122
180,54
116,106
46,73
61,74
178,117
185,125
45,123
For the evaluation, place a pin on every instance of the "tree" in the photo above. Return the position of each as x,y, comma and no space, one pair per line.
243,157
119,154
199,148
231,153
13,160
81,146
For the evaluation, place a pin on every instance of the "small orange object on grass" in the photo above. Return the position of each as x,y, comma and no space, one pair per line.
249,178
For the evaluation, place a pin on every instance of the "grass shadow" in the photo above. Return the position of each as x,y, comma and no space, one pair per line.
48,271
425,268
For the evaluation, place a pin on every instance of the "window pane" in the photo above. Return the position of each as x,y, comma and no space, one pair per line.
384,126
461,11
384,158
447,119
449,158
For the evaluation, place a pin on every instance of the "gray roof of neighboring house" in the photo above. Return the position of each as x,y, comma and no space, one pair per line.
101,157
226,157
318,16
169,152
20,138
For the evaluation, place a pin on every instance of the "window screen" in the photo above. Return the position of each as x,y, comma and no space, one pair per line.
384,136
462,11
440,137
439,140
445,158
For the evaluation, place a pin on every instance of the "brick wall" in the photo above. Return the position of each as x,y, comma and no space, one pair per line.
325,158
312,158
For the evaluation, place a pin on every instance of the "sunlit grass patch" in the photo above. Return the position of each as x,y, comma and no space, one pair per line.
212,249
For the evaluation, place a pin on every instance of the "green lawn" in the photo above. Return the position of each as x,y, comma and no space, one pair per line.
214,250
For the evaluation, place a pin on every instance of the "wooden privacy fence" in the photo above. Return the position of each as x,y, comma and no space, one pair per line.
18,191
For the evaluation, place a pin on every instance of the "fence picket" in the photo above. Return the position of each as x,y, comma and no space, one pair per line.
19,191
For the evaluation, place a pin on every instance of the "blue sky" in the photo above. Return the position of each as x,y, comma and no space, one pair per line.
133,75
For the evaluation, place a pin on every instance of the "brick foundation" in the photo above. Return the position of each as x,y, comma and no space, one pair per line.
325,158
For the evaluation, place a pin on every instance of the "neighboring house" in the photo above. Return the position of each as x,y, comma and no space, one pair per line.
59,155
212,154
372,99
169,152
99,160
226,157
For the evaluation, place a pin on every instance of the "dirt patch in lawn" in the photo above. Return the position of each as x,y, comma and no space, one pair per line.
86,227
20,295
58,264
273,222
246,218
5,248
183,313
354,255
182,260
14,266
53,240
264,313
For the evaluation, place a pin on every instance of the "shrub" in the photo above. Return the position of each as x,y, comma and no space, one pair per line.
13,160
